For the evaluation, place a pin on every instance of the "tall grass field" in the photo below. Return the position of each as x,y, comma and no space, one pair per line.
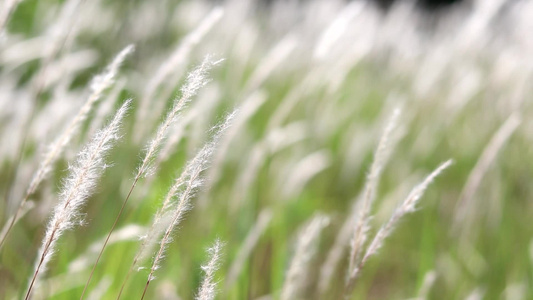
246,149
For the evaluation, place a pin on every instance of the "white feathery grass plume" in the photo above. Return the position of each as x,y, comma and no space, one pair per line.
195,80
306,247
249,243
161,221
77,188
176,134
99,85
408,206
184,189
208,288
163,217
466,205
165,211
197,164
192,181
369,194
104,80
181,53
177,59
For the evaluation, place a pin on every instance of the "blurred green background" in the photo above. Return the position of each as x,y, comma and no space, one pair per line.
302,143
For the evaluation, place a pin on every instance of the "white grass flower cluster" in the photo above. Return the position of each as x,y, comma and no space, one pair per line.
174,201
103,81
100,83
369,194
207,290
358,221
174,64
184,189
78,187
407,206
195,80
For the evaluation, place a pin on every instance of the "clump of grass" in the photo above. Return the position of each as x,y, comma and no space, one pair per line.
195,80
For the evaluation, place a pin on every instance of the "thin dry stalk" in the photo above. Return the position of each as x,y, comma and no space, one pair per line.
195,80
77,188
408,206
99,85
208,288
